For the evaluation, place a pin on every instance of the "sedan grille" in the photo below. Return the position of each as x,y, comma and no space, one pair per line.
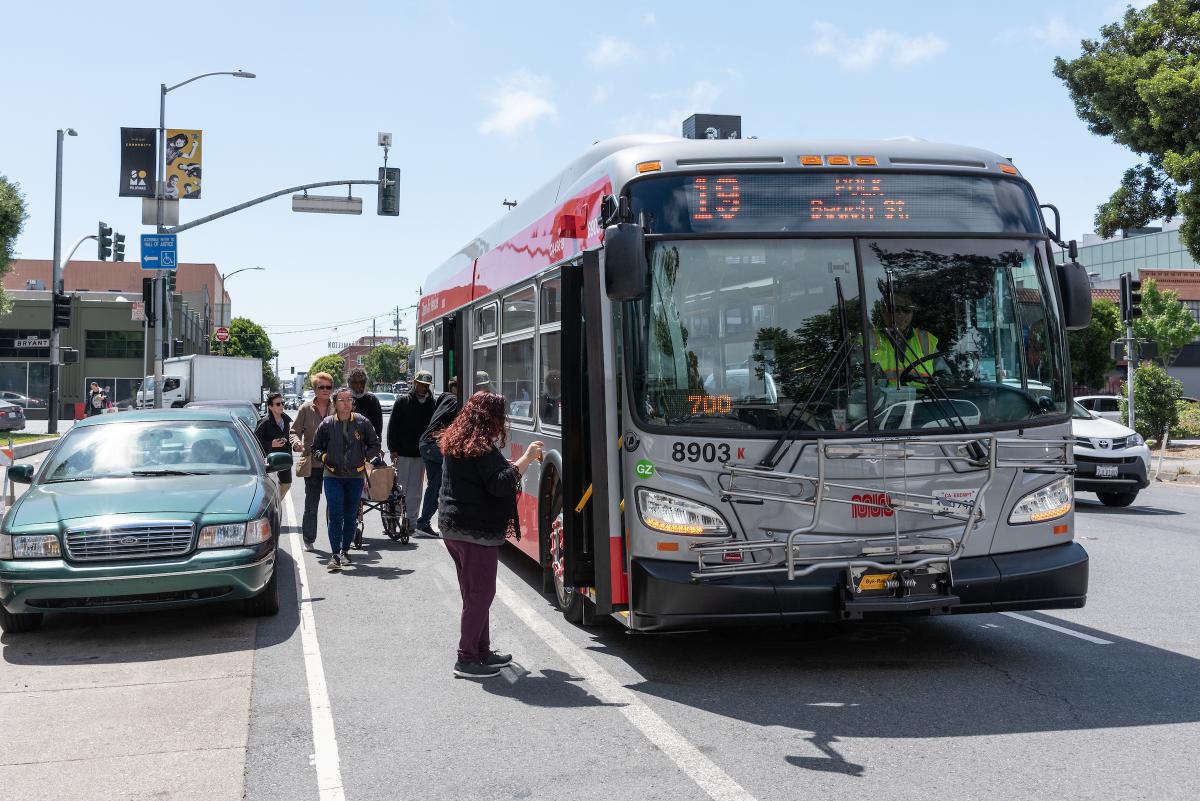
135,541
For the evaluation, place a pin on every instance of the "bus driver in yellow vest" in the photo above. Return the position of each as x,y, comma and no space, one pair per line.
915,343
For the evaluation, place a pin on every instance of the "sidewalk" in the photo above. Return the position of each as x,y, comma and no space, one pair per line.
1184,467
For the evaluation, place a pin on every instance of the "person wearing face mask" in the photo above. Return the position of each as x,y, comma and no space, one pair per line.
365,403
409,419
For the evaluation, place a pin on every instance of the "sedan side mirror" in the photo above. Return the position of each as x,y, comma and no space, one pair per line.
21,473
279,461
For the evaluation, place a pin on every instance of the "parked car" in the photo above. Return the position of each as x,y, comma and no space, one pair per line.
143,510
401,387
291,401
243,410
24,401
386,401
1111,460
12,417
1106,406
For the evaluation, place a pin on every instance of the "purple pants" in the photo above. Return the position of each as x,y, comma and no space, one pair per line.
476,566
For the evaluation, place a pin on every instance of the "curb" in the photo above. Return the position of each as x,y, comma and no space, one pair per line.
27,449
1187,478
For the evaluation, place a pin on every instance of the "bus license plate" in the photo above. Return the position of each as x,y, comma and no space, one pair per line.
874,581
1106,471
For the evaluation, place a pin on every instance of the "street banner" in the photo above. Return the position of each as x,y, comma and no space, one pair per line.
183,164
138,154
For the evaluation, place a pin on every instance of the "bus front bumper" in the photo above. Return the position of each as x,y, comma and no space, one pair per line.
666,597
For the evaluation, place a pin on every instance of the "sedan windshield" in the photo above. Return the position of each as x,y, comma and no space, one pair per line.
148,448
764,335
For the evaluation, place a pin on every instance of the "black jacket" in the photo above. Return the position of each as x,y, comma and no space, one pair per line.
368,406
480,494
410,417
341,456
267,430
444,413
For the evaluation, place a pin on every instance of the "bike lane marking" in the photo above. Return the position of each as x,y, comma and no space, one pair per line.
710,778
325,747
1059,629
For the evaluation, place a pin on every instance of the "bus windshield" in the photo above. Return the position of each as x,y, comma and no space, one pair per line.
843,335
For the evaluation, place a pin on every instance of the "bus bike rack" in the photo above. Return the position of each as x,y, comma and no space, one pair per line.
899,551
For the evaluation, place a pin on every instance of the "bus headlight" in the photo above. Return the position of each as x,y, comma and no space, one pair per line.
671,514
1049,503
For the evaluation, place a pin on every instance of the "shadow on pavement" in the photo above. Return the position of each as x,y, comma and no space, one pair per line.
553,688
968,676
1097,508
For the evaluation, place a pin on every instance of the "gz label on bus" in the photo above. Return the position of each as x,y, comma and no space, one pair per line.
644,468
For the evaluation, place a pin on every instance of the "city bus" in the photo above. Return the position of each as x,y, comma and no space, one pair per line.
778,380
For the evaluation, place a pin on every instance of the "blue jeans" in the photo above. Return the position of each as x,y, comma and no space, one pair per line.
341,497
431,455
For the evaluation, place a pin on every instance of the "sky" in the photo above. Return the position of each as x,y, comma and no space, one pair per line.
486,101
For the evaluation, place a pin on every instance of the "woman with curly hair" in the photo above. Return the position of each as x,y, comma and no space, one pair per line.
477,510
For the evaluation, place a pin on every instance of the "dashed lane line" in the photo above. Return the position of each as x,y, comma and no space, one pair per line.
325,747
1059,629
718,784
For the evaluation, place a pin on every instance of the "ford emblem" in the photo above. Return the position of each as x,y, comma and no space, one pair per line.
129,541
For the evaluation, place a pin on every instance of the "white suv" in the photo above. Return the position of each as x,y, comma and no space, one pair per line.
1106,406
1110,460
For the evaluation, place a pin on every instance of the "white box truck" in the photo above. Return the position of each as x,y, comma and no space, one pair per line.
205,378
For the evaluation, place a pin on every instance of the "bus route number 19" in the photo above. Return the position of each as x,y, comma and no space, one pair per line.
695,452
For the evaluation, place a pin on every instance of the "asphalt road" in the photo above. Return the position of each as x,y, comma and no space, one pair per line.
348,693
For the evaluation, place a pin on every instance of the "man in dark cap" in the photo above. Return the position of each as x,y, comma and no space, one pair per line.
409,419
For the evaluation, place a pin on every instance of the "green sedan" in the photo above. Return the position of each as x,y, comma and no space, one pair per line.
143,510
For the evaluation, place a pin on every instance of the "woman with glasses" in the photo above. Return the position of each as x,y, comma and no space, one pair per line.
272,433
304,432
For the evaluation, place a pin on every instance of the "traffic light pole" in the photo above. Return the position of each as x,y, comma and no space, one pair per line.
160,170
1130,366
55,280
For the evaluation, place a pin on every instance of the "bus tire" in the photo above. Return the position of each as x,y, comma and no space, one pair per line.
1117,498
566,597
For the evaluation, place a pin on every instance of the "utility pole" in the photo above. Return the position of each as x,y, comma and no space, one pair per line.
372,334
396,324
56,279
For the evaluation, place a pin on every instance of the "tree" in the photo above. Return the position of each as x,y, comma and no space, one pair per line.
1164,321
12,220
387,363
1091,358
248,338
1139,85
1155,401
333,364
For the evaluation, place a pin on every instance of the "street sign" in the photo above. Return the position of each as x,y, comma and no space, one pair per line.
221,334
139,311
31,342
158,252
327,204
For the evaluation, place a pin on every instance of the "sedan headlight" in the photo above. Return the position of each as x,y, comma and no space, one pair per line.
671,514
29,546
233,535
1049,503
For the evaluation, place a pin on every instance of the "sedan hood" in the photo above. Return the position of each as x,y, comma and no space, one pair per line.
1099,427
189,496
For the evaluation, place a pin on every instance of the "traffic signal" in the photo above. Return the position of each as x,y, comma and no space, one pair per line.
62,310
1131,298
148,300
68,356
104,242
118,247
389,192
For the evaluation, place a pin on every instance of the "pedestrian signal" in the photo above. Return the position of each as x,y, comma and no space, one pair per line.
62,310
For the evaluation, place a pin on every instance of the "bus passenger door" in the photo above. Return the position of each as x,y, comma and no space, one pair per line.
453,330
585,492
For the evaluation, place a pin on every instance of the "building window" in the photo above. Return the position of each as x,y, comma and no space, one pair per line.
114,344
28,343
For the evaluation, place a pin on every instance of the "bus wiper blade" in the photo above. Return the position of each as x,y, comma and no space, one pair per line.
839,355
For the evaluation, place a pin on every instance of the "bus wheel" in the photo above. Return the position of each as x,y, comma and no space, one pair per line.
566,597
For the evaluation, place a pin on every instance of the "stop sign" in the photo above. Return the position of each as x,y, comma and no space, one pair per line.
221,334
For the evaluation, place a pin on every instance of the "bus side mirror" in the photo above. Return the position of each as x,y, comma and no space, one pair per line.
1076,294
625,264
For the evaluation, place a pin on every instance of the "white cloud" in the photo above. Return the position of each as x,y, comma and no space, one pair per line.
611,52
517,105
863,52
1054,32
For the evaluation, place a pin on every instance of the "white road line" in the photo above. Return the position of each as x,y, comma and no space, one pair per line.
703,771
325,747
1059,629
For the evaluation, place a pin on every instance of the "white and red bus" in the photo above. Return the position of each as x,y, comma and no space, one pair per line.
778,380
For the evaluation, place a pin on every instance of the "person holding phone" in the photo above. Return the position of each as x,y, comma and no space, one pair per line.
273,432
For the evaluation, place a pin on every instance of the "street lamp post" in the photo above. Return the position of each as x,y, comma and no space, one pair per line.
225,277
56,279
160,169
